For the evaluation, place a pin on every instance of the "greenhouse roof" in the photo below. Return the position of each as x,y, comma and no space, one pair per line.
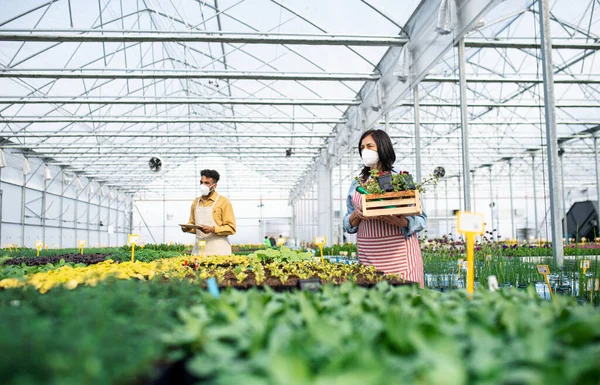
264,91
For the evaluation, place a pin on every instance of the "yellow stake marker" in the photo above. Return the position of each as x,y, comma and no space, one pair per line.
470,224
320,241
202,244
545,270
38,246
133,239
584,264
80,245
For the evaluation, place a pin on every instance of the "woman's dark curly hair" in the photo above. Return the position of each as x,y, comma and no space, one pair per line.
385,150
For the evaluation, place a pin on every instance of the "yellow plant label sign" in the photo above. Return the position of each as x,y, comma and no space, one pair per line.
543,269
133,238
320,241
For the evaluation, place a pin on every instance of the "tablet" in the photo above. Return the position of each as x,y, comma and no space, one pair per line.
189,226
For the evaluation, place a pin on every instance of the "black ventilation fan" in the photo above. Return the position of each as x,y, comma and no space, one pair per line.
155,164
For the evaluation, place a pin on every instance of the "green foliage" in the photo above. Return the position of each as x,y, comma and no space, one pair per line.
109,334
118,331
400,182
389,335
283,254
335,249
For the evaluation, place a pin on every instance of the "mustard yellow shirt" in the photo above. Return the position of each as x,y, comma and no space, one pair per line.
222,213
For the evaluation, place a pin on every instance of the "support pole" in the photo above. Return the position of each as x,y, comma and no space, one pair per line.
464,119
23,210
492,204
324,204
512,208
43,213
535,208
551,137
447,207
597,171
473,187
89,207
436,211
342,211
417,134
561,157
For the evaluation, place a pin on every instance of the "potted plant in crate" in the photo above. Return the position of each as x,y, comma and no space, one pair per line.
386,193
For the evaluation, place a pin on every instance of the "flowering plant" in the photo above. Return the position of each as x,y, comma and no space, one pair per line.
401,181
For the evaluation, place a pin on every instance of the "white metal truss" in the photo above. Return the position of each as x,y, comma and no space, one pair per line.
98,91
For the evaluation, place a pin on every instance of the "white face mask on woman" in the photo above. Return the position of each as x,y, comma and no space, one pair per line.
370,158
205,190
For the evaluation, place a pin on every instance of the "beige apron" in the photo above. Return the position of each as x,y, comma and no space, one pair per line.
215,244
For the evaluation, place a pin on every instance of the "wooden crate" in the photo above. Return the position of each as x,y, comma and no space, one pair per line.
392,203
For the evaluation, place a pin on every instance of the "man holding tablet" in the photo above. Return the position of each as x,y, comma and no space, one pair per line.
211,217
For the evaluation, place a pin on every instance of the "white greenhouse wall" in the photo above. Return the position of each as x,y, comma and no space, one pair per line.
63,214
157,221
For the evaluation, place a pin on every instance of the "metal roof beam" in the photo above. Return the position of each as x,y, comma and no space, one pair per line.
491,104
512,79
151,36
116,146
146,134
217,119
80,73
176,100
143,155
167,119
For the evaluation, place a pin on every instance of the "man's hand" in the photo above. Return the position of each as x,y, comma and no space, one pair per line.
185,229
207,229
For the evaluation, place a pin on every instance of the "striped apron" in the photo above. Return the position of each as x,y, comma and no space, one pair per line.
385,247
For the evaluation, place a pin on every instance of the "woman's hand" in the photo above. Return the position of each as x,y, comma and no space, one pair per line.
394,220
360,215
356,217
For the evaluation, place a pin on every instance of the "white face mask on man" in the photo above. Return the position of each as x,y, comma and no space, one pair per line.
205,190
370,158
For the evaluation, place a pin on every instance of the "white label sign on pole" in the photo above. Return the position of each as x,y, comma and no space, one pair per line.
469,222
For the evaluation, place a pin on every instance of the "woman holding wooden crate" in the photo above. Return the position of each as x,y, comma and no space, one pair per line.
389,242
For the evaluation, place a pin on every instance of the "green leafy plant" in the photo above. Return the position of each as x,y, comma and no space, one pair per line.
402,181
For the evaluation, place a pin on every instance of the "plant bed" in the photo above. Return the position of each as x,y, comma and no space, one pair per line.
86,259
293,282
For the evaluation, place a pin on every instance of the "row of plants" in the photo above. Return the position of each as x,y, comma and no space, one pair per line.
447,247
517,272
128,332
234,271
146,254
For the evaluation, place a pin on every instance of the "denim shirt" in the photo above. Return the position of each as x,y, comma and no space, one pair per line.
416,223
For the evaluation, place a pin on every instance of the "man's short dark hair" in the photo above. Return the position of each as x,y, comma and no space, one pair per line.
213,174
